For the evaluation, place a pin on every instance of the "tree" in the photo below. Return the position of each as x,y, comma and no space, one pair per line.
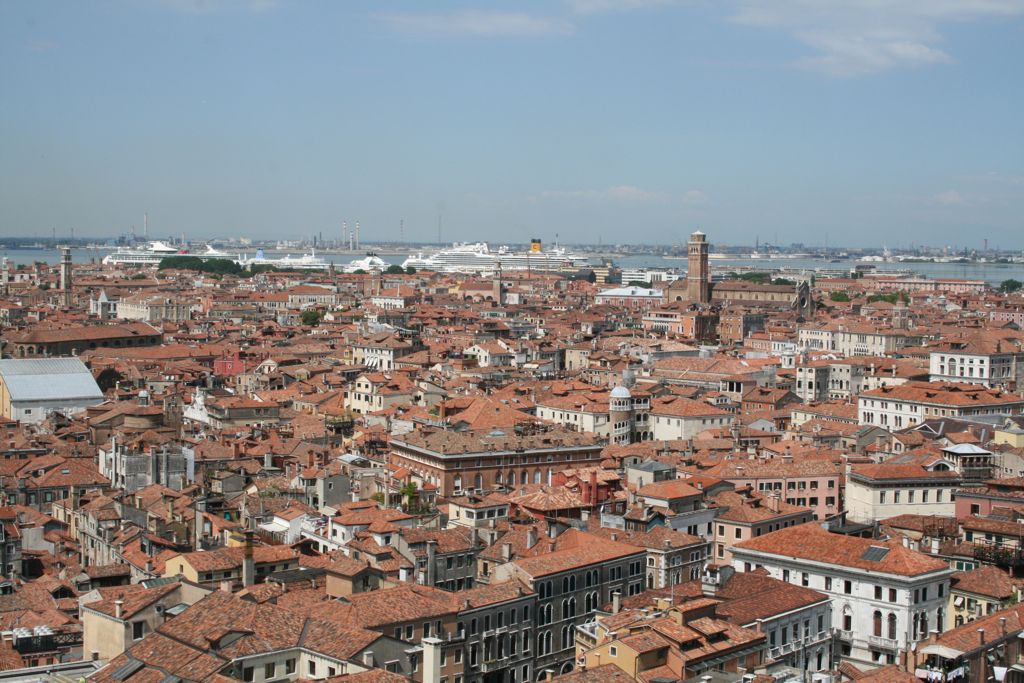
409,491
839,296
395,270
1010,286
638,283
409,270
359,271
783,281
310,317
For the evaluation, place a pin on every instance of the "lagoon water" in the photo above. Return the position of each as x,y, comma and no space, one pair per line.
990,272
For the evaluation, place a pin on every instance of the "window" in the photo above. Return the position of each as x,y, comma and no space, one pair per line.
847,587
892,595
289,666
613,651
269,670
828,583
312,668
878,592
805,579
248,674
138,630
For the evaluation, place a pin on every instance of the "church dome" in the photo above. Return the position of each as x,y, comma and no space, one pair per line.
621,392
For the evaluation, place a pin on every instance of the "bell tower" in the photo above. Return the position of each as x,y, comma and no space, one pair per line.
698,274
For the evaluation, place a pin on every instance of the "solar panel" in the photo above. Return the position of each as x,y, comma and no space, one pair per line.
875,553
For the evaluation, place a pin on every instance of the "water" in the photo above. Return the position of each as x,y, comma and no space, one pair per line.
993,273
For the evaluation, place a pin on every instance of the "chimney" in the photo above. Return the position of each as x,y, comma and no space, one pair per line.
199,519
368,659
268,460
614,536
118,608
506,552
531,537
935,545
981,636
431,562
248,562
616,602
1002,626
431,660
593,487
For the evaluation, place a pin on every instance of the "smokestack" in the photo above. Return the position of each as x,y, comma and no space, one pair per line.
118,608
248,561
531,537
616,602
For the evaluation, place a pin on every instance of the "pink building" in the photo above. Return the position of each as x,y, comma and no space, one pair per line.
979,500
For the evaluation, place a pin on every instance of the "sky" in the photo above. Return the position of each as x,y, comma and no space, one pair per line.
839,122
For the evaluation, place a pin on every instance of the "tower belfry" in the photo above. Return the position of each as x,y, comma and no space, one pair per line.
65,276
698,274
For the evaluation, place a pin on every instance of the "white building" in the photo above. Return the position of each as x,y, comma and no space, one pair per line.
909,404
980,360
884,595
875,492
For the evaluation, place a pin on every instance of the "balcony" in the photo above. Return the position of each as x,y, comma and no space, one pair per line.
884,643
494,665
844,635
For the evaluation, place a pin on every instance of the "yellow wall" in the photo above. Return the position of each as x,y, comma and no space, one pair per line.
1015,440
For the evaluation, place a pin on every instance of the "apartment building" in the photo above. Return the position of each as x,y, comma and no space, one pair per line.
875,492
478,461
743,514
885,596
573,576
909,404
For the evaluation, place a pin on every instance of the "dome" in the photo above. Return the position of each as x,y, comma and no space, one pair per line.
621,392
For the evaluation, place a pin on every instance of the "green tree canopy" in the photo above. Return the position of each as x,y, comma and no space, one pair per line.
395,270
310,317
1010,286
839,296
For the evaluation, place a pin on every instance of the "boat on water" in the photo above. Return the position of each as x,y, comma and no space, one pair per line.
308,261
367,263
151,254
478,257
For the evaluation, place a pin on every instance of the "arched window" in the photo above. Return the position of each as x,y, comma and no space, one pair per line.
588,580
536,476
572,607
478,481
892,626
566,637
457,482
524,478
565,584
497,478
877,623
572,582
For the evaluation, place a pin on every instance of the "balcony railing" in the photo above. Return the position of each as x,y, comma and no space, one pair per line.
886,643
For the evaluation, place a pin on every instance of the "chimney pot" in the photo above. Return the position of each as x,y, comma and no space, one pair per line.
118,608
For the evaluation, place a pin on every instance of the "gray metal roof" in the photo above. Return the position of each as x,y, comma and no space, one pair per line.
48,379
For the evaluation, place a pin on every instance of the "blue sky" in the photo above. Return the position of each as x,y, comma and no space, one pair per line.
858,122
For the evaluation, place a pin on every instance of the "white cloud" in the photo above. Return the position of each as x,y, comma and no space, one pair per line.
695,197
618,193
477,23
601,6
949,198
860,37
206,6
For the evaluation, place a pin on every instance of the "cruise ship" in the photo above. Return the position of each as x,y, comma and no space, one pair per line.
368,263
149,255
477,257
305,262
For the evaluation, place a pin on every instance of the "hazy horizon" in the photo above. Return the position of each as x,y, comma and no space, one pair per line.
853,123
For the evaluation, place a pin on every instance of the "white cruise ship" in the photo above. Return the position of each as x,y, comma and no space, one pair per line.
149,255
368,263
478,257
305,262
